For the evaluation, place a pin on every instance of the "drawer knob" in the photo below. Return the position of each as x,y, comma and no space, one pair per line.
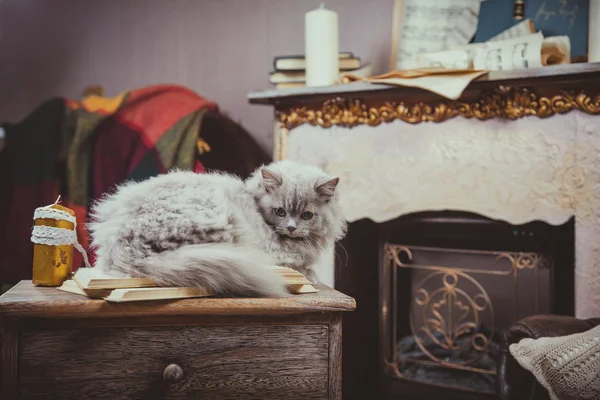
173,373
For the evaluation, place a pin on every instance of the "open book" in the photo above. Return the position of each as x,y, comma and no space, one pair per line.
93,278
135,294
93,282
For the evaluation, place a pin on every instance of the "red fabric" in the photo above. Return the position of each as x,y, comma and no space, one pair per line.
155,109
125,146
199,167
117,151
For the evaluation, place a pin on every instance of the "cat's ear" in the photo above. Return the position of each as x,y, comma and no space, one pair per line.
271,181
327,188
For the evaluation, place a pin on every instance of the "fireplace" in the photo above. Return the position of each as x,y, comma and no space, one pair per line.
518,147
442,287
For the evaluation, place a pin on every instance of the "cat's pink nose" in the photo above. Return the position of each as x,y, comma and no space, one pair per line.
291,228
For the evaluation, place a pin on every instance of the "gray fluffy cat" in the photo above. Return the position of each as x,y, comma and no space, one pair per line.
216,231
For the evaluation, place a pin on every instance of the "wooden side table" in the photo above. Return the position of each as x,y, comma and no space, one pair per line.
57,345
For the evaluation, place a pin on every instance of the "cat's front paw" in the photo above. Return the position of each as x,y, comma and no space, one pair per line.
312,277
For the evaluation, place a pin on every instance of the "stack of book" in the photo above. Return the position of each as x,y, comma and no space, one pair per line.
290,71
92,282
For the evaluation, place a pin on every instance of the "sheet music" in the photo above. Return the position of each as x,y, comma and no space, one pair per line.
529,51
456,59
523,28
502,55
430,26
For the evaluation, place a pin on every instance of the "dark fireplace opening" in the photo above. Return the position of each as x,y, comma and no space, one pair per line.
435,292
451,306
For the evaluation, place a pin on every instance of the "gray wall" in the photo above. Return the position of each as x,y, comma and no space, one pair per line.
220,48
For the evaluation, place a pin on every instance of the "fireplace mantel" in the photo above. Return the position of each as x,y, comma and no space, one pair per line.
540,92
569,75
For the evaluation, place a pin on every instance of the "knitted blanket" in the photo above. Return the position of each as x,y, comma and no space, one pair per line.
567,366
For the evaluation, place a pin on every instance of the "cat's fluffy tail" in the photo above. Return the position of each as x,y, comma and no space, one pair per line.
224,268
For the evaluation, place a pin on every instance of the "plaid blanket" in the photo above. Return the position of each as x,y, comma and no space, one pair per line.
82,149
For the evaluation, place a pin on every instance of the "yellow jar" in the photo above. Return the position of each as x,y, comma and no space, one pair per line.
52,265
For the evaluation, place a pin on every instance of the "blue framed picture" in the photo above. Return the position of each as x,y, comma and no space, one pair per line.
552,17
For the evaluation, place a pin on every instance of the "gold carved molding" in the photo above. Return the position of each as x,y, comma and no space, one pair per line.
505,102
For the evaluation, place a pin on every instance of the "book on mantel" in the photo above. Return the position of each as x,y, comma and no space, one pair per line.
347,61
92,282
290,71
285,79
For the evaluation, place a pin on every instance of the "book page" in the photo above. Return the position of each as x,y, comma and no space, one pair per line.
95,278
503,55
157,293
523,28
516,53
454,59
429,26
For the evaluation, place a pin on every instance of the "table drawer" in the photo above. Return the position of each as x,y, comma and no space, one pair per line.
218,362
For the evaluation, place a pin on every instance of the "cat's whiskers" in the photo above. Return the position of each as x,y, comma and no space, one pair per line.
338,256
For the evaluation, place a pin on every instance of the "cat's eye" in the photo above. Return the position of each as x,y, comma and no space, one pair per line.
306,215
280,212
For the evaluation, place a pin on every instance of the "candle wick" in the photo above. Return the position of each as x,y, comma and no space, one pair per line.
55,203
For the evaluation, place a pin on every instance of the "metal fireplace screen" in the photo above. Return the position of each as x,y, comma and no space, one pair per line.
443,310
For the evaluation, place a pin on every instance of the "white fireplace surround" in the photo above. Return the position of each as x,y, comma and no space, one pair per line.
517,171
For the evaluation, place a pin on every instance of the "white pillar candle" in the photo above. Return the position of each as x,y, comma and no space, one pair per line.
321,45
594,32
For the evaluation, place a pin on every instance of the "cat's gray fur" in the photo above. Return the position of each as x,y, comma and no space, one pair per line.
216,231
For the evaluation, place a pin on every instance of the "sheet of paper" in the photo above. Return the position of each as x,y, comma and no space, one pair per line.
523,28
516,53
529,51
556,50
447,82
430,26
450,87
446,59
503,55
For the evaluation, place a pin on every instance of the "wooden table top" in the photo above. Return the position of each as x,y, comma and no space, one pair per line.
27,300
